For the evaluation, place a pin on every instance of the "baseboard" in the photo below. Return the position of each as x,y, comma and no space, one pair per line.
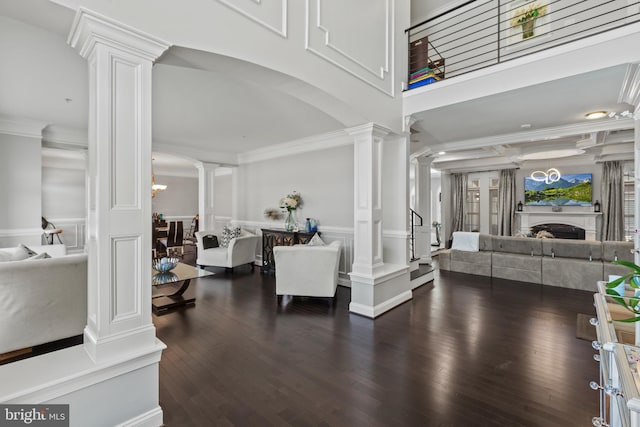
152,418
383,307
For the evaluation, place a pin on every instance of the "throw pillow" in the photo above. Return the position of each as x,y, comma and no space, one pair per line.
15,254
316,241
30,252
43,255
210,241
229,233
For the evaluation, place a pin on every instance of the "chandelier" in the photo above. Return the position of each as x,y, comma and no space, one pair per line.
548,177
155,187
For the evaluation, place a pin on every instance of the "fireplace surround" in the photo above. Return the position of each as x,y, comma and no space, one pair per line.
583,220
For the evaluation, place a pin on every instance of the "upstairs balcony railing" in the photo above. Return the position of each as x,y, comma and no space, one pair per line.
481,33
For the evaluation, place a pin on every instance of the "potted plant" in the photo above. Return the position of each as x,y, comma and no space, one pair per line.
526,16
616,292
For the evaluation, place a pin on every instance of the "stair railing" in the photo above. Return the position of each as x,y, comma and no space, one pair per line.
412,242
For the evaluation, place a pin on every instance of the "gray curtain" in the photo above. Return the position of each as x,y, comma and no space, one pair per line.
612,201
459,194
507,203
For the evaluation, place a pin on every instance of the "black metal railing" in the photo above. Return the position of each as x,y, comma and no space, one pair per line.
476,35
412,242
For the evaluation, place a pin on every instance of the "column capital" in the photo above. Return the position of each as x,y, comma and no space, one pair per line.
206,165
373,129
424,160
90,29
408,122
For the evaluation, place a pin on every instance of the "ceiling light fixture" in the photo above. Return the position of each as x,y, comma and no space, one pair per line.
596,115
440,153
155,187
548,177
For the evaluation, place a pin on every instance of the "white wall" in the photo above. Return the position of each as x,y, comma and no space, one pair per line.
20,187
395,201
324,178
361,69
179,199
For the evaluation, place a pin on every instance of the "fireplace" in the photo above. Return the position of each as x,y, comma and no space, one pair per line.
582,219
560,231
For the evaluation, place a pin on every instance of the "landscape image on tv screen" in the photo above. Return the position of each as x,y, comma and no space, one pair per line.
569,190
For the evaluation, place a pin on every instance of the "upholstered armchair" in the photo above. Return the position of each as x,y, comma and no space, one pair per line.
305,270
241,250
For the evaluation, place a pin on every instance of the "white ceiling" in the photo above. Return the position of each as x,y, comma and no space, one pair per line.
206,103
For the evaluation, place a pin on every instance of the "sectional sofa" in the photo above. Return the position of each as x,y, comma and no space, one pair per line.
575,264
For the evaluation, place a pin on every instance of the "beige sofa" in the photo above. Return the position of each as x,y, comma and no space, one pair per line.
576,264
42,300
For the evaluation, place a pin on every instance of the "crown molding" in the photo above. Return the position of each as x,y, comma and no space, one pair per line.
65,137
22,127
195,153
536,135
304,145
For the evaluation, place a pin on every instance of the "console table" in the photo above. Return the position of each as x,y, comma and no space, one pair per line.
271,238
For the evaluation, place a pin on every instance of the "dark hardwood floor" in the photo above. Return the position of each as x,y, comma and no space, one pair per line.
466,351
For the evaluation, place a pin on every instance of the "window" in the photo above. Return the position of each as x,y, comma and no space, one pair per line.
629,201
494,183
472,202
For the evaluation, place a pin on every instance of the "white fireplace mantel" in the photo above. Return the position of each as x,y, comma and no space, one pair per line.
585,220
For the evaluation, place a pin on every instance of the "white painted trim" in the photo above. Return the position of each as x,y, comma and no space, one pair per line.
56,135
90,28
630,90
386,273
396,234
536,135
282,31
304,145
22,127
344,282
422,280
20,232
386,70
179,148
33,380
152,418
383,307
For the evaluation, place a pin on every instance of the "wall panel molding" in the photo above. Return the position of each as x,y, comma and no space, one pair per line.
322,42
271,14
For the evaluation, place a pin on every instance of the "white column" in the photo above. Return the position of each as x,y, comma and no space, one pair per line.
422,173
377,286
367,248
119,185
206,194
636,181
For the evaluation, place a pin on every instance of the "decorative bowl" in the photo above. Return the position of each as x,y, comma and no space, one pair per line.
164,265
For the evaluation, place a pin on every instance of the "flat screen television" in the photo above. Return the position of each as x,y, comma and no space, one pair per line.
569,190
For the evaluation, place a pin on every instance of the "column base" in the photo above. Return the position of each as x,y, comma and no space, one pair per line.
374,295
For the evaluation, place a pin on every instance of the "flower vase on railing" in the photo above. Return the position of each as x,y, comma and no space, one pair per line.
292,202
526,17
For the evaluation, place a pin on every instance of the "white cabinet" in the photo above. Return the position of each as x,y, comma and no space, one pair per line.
619,382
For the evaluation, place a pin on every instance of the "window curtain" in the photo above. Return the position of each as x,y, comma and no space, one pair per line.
507,203
459,194
612,201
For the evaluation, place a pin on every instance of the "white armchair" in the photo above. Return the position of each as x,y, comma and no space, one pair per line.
305,270
241,250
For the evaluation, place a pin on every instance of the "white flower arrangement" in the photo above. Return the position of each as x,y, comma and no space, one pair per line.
291,202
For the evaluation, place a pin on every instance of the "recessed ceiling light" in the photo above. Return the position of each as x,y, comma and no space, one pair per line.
596,115
440,153
525,125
